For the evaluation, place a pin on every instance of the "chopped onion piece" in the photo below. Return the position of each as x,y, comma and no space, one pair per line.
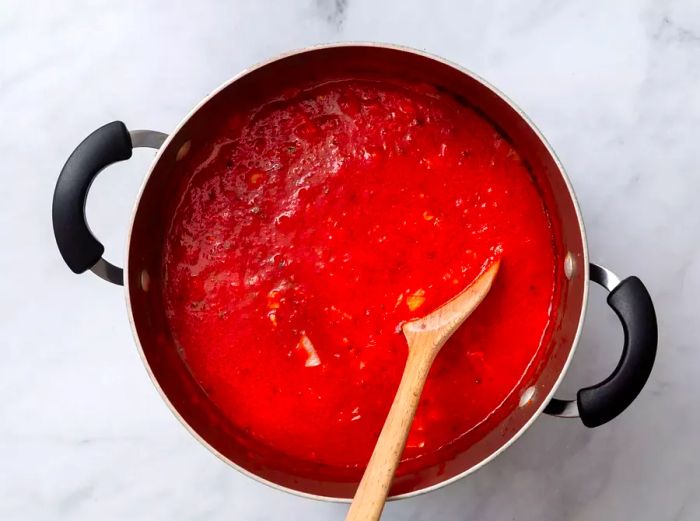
312,359
416,300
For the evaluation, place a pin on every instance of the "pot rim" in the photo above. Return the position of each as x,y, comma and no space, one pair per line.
466,72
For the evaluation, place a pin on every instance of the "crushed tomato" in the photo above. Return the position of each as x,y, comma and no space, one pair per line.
313,225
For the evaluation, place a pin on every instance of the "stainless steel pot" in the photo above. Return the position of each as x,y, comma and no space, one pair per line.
629,298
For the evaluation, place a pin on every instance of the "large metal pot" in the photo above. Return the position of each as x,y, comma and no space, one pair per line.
595,405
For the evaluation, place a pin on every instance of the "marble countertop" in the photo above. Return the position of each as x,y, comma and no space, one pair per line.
615,87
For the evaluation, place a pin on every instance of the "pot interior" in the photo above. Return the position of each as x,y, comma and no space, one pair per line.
158,200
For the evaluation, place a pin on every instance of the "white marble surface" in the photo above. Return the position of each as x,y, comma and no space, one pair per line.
614,85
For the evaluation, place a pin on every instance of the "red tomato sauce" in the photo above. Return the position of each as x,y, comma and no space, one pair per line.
314,225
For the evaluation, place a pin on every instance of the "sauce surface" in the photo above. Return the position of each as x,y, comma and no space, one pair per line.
313,226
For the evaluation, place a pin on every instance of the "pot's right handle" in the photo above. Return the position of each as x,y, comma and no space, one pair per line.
109,144
600,403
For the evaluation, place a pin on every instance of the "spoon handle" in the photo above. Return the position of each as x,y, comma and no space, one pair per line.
374,487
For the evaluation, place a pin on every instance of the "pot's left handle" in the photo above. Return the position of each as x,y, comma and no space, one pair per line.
109,144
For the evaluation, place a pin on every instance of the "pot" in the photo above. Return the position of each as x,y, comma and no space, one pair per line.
594,405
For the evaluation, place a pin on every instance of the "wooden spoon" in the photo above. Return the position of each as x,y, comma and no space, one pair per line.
425,337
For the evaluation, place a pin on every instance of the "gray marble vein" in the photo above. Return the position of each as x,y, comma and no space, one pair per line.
615,87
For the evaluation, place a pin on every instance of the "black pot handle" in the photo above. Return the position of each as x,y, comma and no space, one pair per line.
600,403
107,145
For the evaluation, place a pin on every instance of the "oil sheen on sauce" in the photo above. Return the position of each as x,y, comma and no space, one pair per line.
314,225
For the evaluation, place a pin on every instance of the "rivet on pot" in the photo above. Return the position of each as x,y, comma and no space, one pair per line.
184,149
527,396
145,280
569,266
